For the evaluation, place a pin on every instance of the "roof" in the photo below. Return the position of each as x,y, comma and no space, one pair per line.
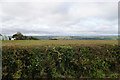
3,37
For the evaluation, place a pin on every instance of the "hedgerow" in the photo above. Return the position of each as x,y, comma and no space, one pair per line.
61,62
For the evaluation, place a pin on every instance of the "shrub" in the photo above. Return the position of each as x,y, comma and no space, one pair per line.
61,62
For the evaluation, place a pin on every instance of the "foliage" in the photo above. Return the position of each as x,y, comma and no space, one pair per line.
20,36
34,38
68,61
53,39
17,35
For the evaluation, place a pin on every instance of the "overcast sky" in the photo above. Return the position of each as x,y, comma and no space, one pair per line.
61,18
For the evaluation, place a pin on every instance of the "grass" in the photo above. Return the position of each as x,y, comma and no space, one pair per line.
58,42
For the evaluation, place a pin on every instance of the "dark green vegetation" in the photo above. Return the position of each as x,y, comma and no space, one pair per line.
20,36
88,59
53,39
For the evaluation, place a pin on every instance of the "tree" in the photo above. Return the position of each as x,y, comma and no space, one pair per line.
17,35
34,38
20,36
53,39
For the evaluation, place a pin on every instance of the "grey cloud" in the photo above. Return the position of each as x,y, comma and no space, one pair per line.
63,18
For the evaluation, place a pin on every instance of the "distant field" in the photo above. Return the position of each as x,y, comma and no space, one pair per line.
58,42
78,37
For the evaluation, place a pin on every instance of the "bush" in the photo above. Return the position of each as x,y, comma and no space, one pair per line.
53,39
61,62
34,38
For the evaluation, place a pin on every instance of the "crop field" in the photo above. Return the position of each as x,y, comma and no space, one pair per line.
69,59
58,42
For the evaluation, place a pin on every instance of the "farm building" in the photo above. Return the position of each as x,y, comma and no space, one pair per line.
3,37
13,38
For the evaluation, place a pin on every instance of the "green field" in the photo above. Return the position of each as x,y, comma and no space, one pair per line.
58,42
68,59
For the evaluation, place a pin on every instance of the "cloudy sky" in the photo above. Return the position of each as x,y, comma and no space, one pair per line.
59,18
